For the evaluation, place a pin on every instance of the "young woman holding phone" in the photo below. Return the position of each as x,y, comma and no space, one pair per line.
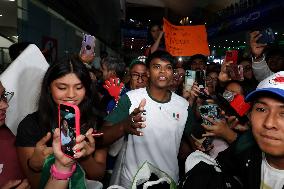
66,81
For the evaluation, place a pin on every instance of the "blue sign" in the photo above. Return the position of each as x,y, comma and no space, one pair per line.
259,16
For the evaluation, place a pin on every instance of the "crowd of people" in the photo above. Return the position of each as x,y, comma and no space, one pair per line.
146,113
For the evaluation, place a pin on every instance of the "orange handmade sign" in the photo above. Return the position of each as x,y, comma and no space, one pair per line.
185,40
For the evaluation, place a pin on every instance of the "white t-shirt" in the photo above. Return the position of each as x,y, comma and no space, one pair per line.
271,178
165,123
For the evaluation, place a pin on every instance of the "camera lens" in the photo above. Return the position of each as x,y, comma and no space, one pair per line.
88,47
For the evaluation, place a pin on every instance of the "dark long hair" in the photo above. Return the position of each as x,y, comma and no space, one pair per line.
48,110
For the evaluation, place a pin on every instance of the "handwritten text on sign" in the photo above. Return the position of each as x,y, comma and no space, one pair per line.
185,40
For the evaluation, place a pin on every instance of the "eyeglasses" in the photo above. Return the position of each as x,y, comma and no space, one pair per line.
6,96
209,78
137,76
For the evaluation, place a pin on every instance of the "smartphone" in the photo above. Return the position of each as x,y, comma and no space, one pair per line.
233,107
212,111
88,45
69,124
209,110
200,78
189,79
267,36
236,72
232,55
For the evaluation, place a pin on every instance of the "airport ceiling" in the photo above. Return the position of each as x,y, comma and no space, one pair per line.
184,7
103,18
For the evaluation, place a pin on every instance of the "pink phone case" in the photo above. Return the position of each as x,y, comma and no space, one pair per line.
73,109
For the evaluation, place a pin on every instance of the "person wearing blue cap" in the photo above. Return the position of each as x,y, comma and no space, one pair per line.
261,165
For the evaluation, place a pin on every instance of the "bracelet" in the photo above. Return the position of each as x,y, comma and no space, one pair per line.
255,58
32,169
61,175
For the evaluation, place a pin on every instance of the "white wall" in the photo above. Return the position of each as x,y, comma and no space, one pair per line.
5,42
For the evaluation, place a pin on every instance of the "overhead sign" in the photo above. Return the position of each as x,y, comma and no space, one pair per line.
185,40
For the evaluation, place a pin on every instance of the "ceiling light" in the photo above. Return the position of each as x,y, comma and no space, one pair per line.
11,0
1,15
226,40
232,41
190,21
244,42
276,33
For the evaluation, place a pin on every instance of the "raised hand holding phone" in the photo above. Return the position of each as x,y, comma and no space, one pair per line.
219,128
234,70
223,75
88,48
62,162
267,36
256,48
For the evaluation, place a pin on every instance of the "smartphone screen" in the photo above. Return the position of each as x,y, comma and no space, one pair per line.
69,128
200,78
189,79
209,110
236,72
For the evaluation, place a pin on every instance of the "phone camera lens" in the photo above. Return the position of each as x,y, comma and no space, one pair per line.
88,47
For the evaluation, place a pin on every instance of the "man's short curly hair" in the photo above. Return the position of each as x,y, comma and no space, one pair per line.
163,55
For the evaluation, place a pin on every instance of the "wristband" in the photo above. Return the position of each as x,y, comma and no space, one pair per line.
29,166
64,175
262,58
